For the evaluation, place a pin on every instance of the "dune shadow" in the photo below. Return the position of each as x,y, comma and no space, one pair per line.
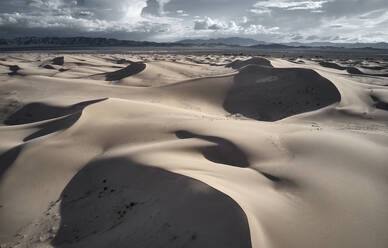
332,65
49,67
379,104
58,60
353,70
374,68
14,70
356,71
130,70
116,202
271,94
54,126
222,152
8,158
123,61
227,153
34,112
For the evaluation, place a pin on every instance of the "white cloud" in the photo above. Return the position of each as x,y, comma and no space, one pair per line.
260,29
209,24
232,27
260,11
244,19
265,6
182,13
290,5
132,11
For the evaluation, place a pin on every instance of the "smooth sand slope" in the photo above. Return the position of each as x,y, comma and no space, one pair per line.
192,151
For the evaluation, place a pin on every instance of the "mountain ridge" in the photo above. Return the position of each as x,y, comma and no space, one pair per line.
232,41
44,42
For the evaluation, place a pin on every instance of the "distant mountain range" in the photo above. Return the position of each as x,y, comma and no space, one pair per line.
84,42
74,42
236,41
380,45
231,41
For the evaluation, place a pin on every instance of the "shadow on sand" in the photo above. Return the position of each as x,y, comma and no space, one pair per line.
116,202
270,94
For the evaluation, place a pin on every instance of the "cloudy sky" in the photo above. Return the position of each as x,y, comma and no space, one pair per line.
170,20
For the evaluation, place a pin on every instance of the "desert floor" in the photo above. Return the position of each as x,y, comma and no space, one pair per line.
173,150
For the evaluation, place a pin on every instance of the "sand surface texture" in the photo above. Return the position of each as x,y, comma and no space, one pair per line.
192,151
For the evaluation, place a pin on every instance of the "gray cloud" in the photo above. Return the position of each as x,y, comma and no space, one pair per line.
153,8
165,20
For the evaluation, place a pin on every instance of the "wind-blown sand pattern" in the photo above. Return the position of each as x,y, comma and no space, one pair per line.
192,151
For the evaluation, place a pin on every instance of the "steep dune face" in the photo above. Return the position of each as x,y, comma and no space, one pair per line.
35,112
222,151
169,166
114,197
270,94
132,69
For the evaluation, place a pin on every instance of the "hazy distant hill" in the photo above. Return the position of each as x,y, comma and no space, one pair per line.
232,41
75,42
85,42
380,45
271,46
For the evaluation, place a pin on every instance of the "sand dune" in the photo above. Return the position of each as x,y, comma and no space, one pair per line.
270,94
132,69
164,73
360,70
240,64
252,153
35,112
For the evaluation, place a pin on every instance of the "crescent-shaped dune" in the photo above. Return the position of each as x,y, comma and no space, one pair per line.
253,153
